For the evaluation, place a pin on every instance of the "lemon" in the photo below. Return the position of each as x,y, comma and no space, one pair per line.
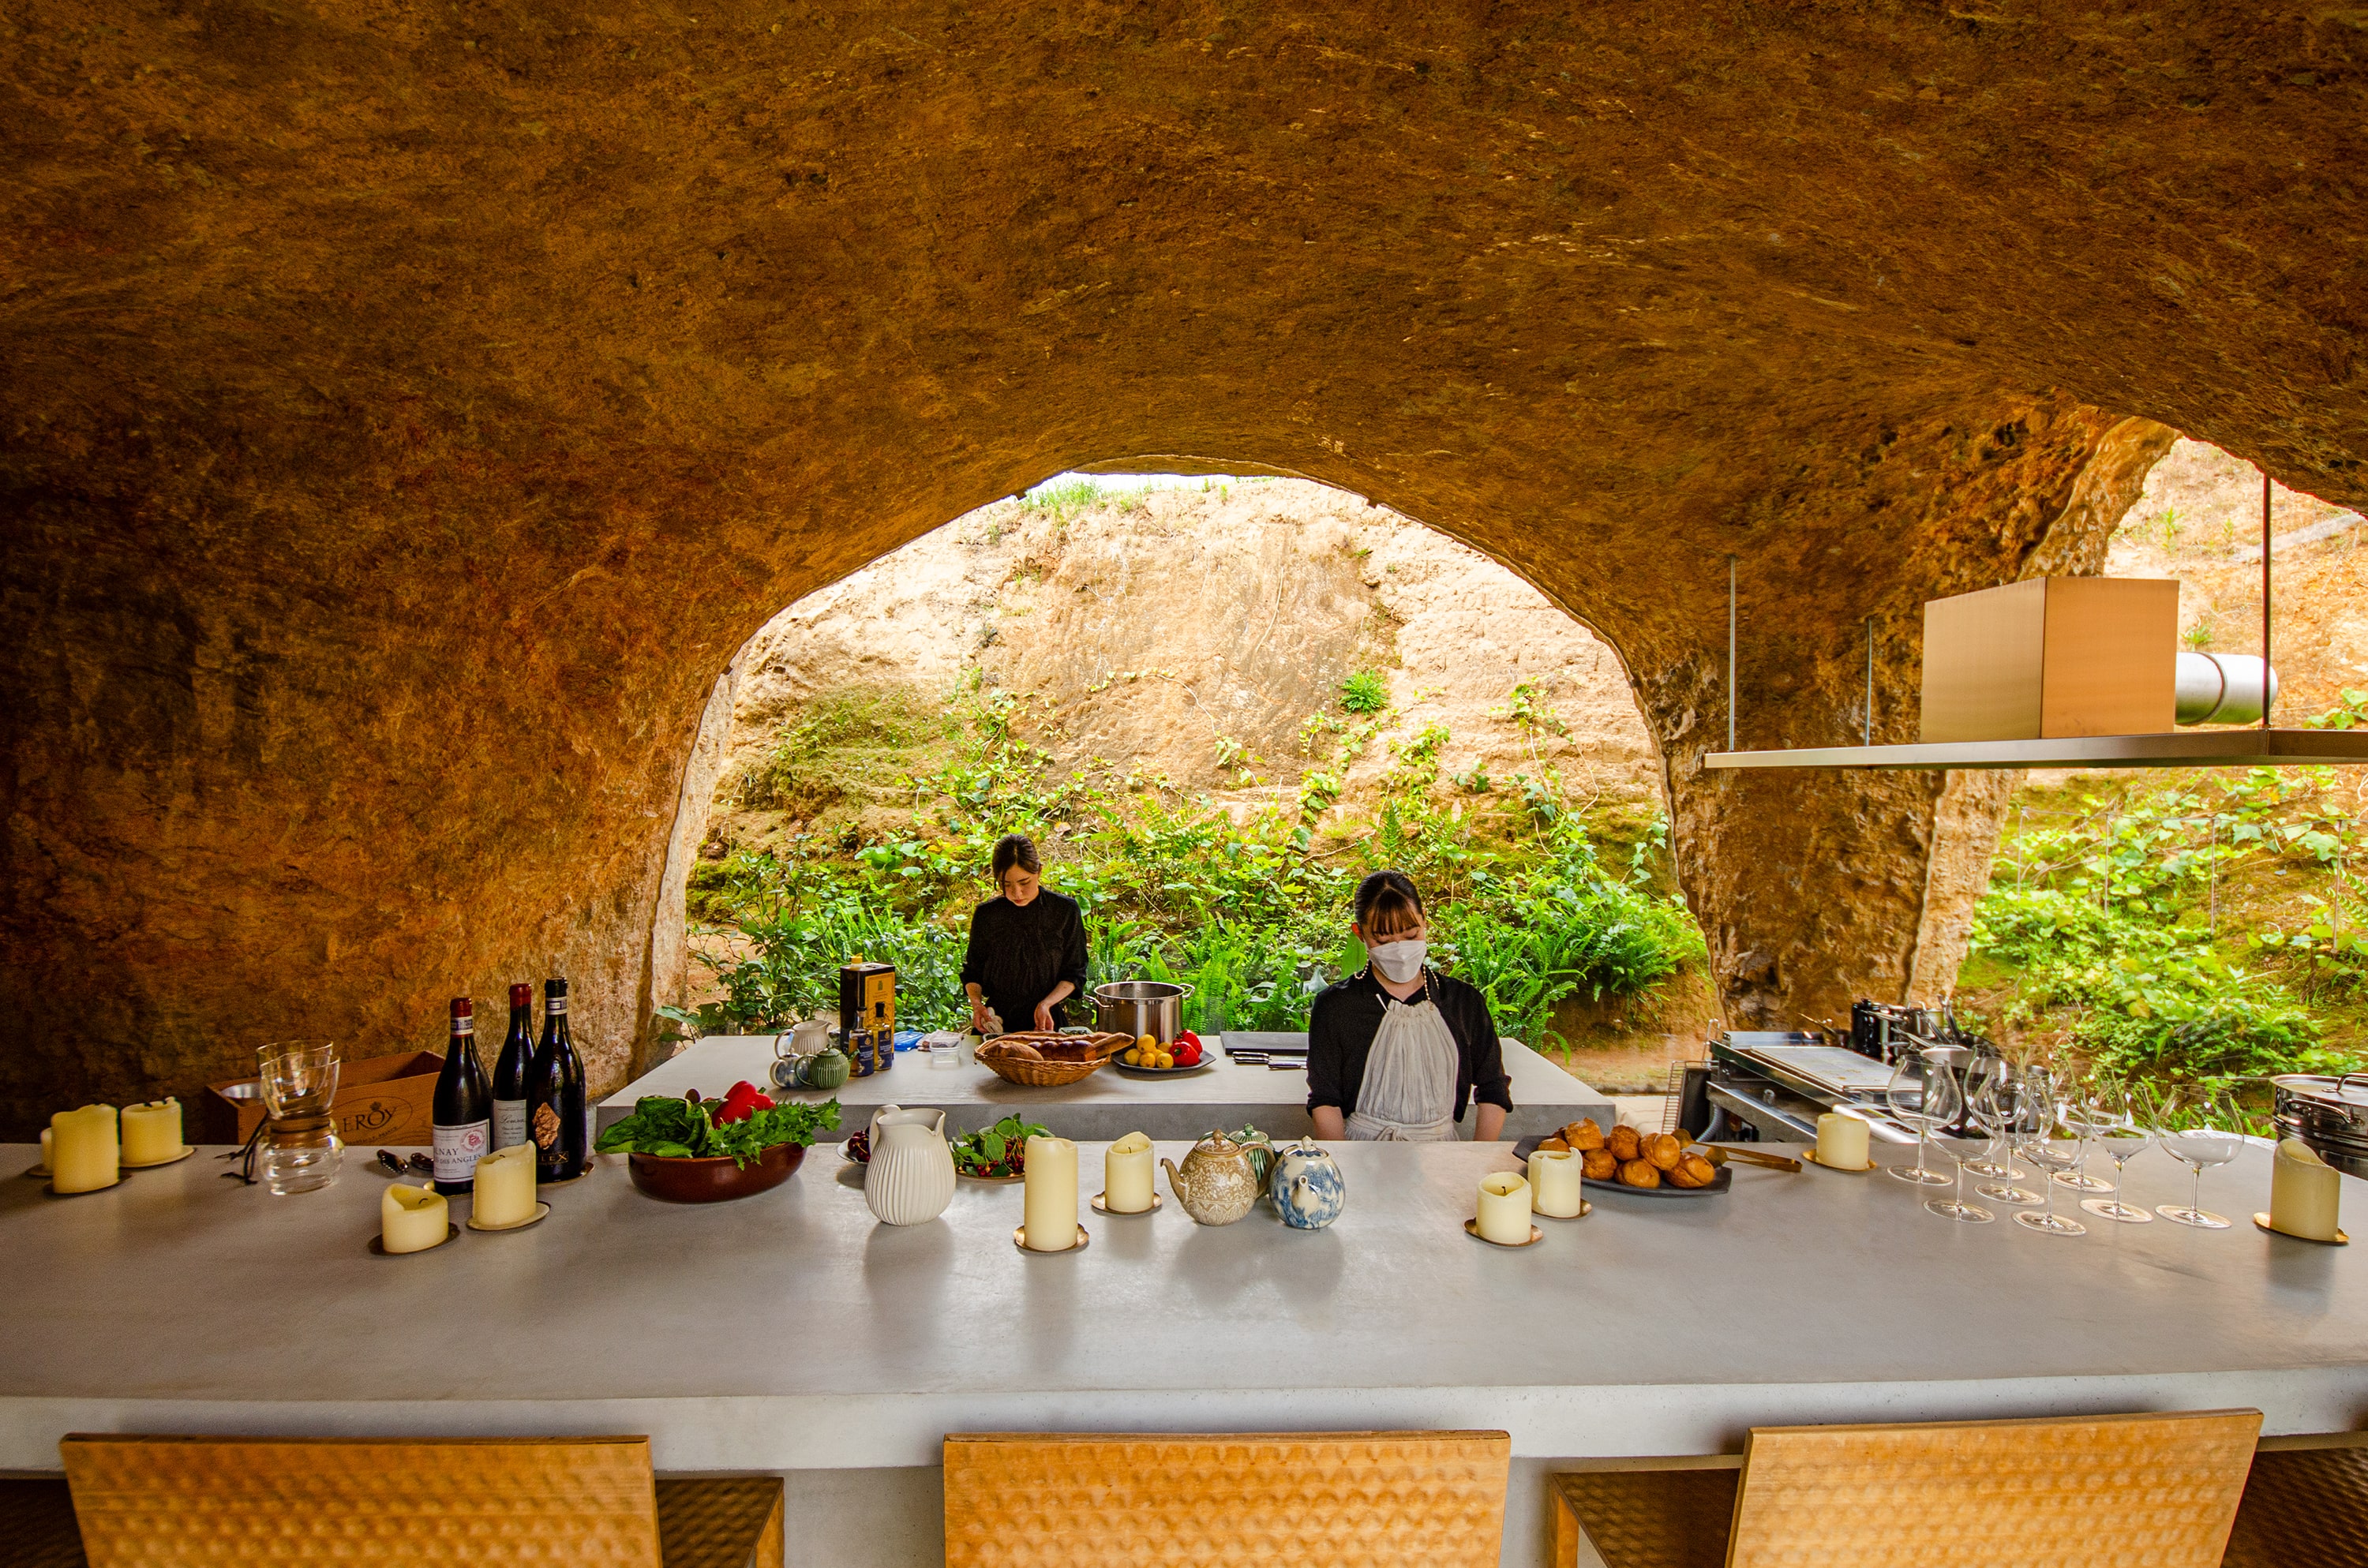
1133,1056
1166,1060
1148,1042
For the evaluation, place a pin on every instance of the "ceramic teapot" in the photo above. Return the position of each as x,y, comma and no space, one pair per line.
1218,1184
910,1178
1306,1186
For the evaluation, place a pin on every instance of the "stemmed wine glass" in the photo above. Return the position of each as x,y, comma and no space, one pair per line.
1944,1101
1982,1081
2194,1126
2041,1121
2084,1114
1915,1097
2122,1133
2004,1108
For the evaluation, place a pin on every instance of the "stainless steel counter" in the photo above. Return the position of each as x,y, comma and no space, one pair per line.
790,1331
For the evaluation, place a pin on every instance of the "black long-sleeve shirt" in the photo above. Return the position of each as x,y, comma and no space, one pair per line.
1347,1014
1017,952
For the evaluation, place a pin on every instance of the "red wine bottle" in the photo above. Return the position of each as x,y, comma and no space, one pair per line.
462,1117
554,1097
510,1071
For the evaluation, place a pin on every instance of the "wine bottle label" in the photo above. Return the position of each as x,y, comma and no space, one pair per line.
464,1026
554,1005
458,1149
509,1123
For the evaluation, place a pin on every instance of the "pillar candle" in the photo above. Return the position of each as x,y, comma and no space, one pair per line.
1126,1175
1841,1141
2305,1191
413,1218
83,1149
151,1133
1505,1209
1554,1183
504,1194
1050,1214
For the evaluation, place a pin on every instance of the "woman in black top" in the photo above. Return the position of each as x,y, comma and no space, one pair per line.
1027,948
1396,1050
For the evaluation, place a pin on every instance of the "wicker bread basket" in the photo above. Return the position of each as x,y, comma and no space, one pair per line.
1039,1074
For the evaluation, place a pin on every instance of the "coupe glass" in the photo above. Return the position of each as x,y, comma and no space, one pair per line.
2195,1127
2122,1133
2052,1147
1983,1080
1923,1095
301,1151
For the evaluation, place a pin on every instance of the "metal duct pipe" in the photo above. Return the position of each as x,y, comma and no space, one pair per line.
2221,688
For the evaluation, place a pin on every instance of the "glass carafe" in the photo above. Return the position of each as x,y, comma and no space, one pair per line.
300,1150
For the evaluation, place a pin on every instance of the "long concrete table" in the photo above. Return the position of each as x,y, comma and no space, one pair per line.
789,1333
1107,1105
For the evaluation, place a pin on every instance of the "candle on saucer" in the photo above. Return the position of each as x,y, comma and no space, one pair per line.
1051,1210
1554,1184
504,1193
151,1133
1505,1209
1126,1175
2305,1192
84,1151
1842,1141
413,1218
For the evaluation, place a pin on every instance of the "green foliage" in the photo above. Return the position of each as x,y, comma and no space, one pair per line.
2350,713
1365,691
687,1130
1253,915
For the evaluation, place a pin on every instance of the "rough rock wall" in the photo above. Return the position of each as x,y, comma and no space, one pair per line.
410,412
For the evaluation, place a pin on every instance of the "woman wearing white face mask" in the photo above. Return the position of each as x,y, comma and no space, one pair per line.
1398,1050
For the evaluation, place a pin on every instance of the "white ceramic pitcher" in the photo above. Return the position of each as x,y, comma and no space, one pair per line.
910,1178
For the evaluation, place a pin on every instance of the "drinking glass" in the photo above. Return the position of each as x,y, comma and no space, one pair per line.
2195,1128
1983,1081
2122,1132
2005,1106
2085,1117
1944,1102
301,1151
1916,1095
2044,1147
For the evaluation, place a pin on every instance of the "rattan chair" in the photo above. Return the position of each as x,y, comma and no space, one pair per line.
2158,1489
148,1502
1422,1499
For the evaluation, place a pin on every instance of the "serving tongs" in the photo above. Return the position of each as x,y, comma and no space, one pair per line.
1755,1157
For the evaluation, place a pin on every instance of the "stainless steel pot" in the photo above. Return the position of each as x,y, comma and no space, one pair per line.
1139,1007
2328,1114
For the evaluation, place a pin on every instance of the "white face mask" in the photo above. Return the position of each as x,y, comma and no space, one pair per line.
1399,962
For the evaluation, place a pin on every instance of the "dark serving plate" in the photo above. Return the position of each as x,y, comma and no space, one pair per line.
1524,1149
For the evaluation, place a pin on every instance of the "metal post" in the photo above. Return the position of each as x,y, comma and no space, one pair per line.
1869,732
1730,652
2265,598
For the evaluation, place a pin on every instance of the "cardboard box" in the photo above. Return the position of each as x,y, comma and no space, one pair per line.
2052,657
380,1099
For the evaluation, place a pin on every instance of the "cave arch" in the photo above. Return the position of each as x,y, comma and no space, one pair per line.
409,415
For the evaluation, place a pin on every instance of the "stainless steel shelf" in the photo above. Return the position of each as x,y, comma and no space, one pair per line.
2177,748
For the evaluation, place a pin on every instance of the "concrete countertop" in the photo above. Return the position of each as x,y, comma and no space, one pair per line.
789,1331
1107,1105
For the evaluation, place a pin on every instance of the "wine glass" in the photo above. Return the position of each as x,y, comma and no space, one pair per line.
2122,1132
2043,1147
2195,1131
1983,1081
2085,1116
2008,1105
1914,1097
1944,1101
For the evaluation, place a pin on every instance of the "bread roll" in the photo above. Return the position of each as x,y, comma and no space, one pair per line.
1070,1050
1639,1173
1583,1135
1624,1143
1691,1171
1554,1143
1663,1151
1598,1165
1012,1050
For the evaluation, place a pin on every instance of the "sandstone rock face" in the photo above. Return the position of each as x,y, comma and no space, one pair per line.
410,414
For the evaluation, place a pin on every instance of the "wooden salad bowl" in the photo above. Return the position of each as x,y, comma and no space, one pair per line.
677,1179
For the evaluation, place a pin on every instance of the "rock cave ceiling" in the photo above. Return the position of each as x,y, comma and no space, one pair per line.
410,408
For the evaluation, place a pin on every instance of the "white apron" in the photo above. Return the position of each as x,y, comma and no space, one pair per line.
1409,1093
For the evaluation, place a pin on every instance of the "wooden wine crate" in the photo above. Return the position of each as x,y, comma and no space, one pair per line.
380,1099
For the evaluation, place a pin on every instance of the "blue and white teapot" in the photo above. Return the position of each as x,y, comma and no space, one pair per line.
1305,1186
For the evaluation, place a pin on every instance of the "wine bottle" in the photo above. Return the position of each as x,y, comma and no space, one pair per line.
510,1071
884,1037
554,1099
462,1115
